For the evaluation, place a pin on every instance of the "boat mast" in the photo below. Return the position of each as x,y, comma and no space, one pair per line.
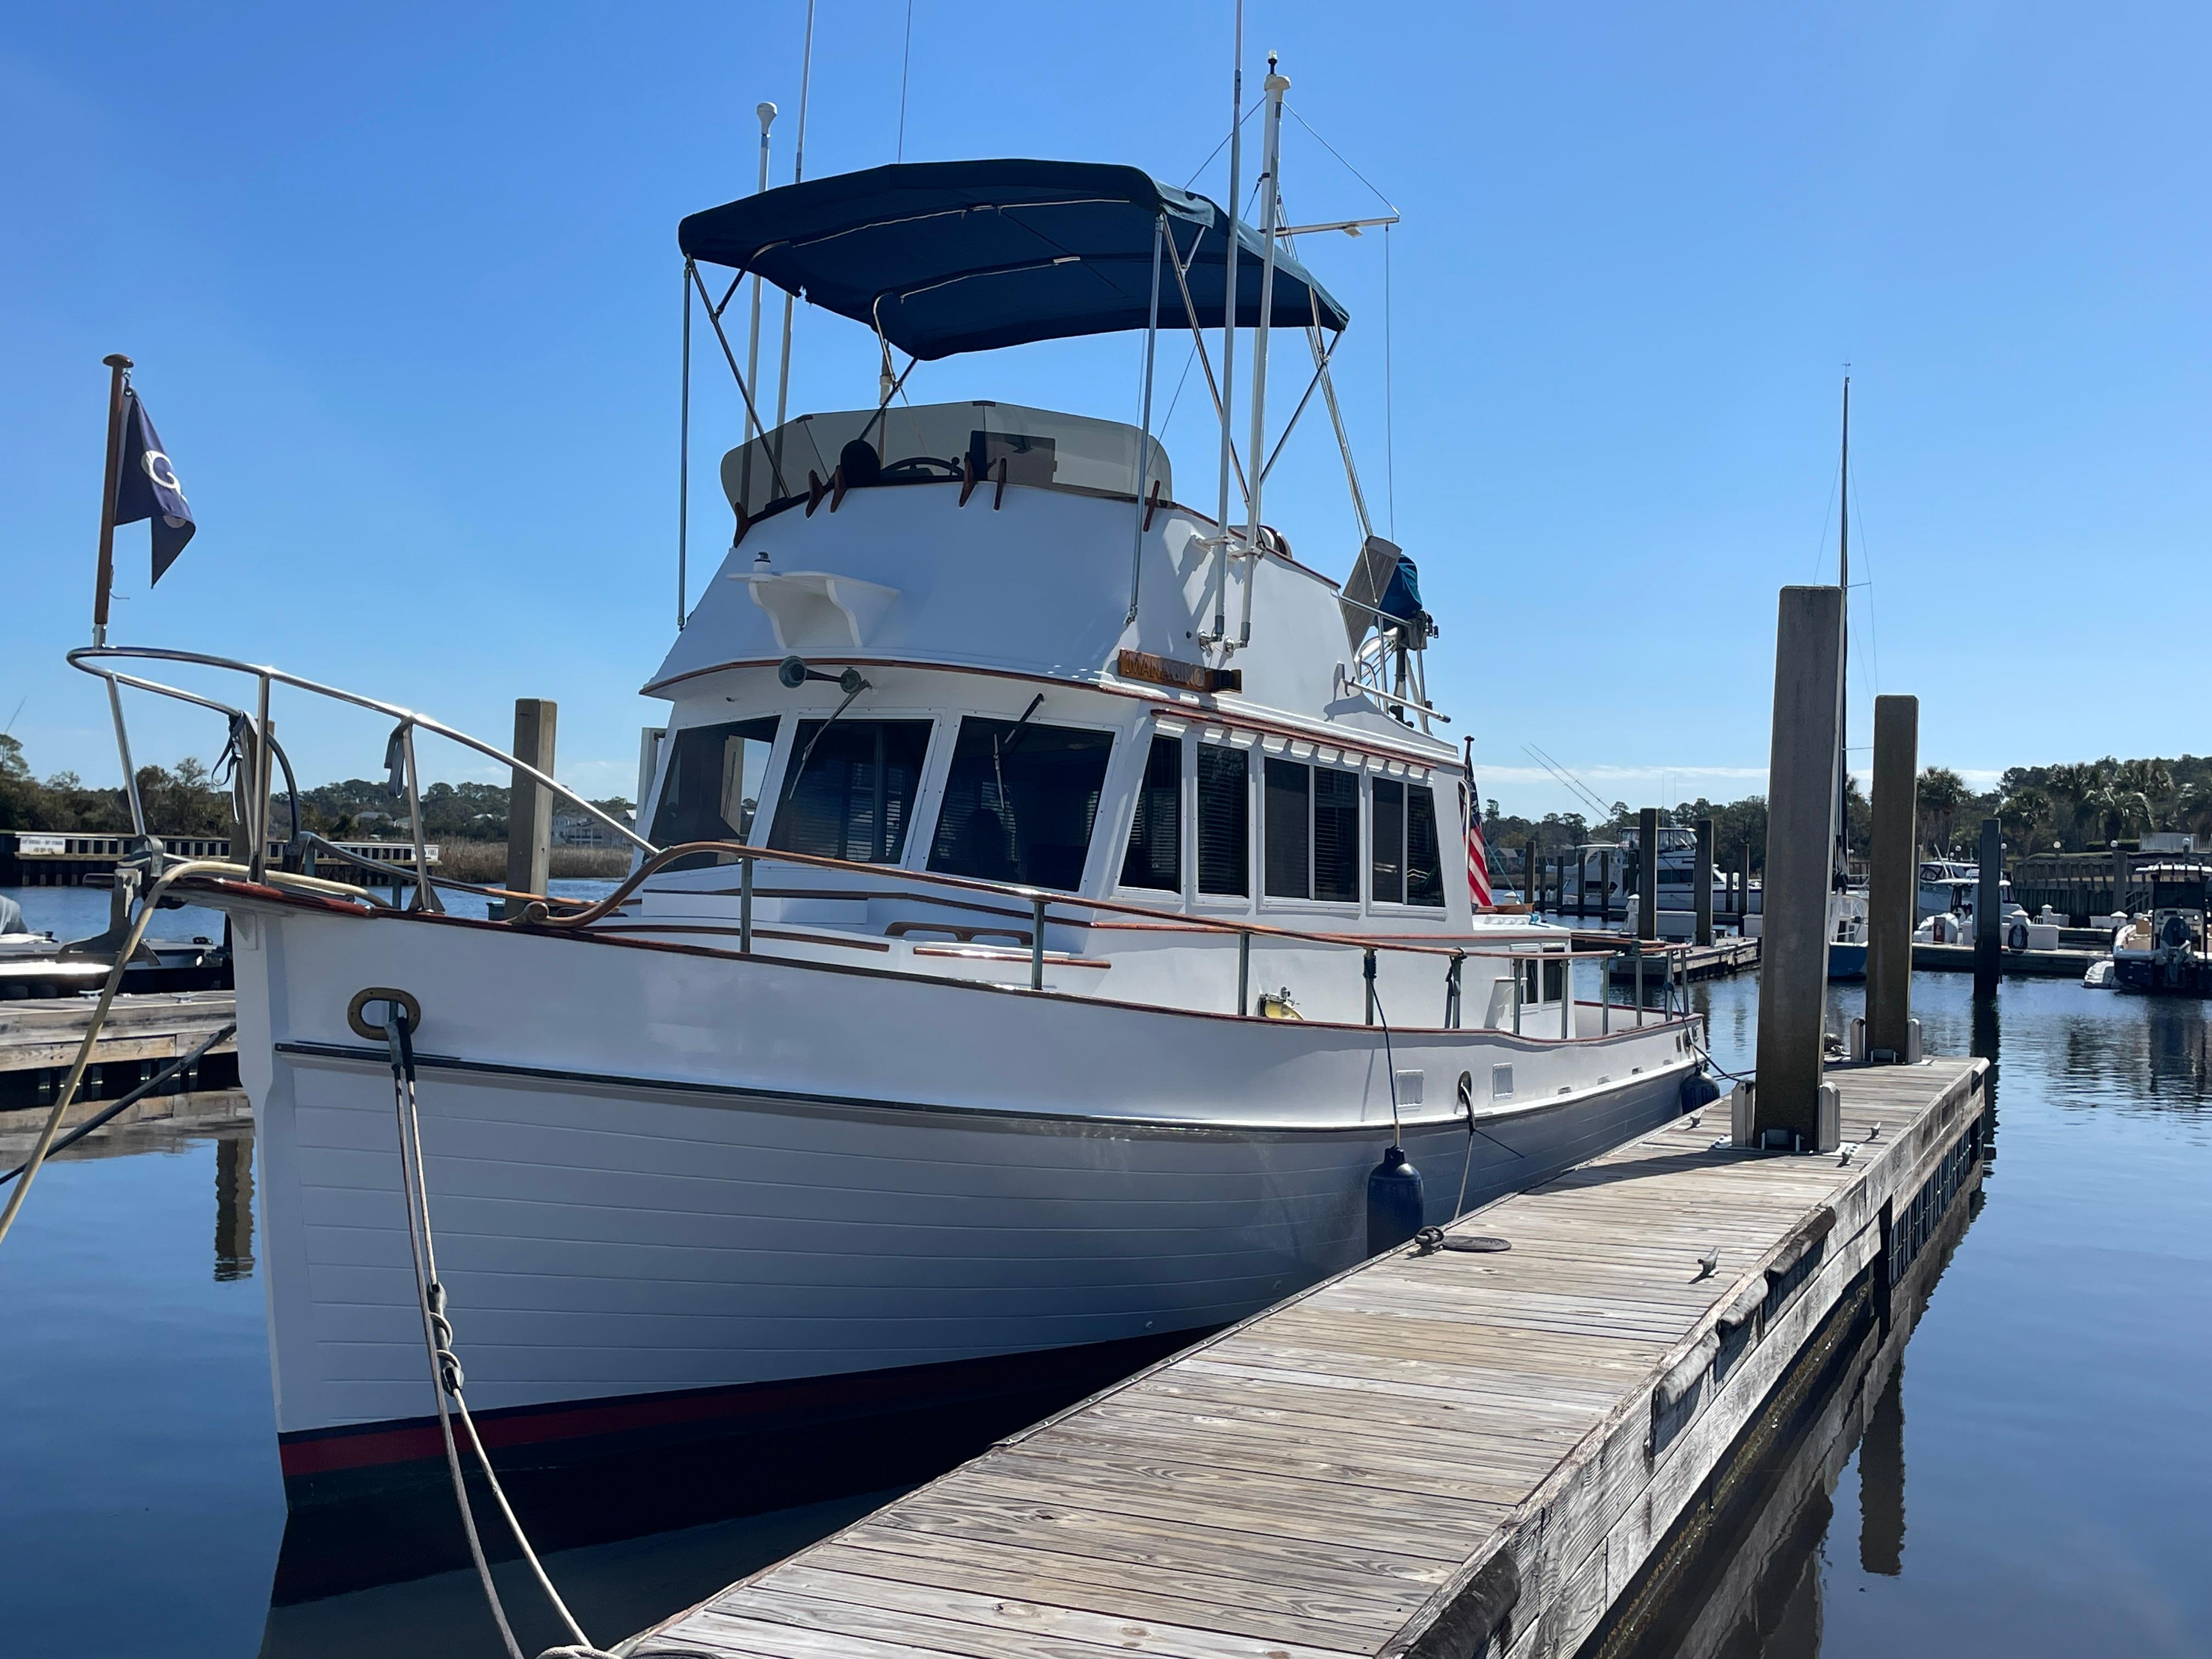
1270,196
797,173
1222,536
1842,871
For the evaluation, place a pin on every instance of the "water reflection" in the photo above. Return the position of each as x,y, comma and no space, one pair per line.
234,1207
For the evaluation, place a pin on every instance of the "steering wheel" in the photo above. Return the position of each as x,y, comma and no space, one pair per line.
919,466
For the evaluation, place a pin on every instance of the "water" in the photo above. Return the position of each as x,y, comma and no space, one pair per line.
2044,1441
71,913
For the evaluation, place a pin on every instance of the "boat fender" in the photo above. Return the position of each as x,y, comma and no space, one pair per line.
1698,1090
1394,1202
2016,937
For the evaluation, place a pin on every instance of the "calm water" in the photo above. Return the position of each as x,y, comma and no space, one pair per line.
2046,1431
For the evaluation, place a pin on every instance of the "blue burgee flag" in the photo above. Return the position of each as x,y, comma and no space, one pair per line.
146,486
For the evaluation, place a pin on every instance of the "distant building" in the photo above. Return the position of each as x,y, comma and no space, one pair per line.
573,829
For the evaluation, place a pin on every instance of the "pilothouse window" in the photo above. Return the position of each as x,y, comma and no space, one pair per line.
712,788
1312,824
1020,803
1225,820
854,799
1155,856
1407,867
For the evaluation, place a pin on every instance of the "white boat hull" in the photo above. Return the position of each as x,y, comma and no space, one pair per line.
684,1182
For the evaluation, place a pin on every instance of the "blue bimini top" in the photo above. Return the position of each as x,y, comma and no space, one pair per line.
941,257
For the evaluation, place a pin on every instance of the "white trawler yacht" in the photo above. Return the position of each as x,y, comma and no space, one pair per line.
1052,906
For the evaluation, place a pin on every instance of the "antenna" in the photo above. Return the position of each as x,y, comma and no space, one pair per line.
797,173
1567,778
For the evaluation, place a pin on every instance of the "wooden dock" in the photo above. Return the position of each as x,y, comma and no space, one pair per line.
1451,1454
1719,960
40,1037
2018,965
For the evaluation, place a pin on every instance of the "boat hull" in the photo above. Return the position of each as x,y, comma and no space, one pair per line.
738,1233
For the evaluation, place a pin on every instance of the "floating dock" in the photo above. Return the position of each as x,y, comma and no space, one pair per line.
1432,1456
2020,964
1719,960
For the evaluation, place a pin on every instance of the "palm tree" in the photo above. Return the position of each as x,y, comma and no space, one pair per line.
1939,795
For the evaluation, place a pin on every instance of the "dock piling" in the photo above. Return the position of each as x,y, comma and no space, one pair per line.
1703,897
1892,884
530,804
1987,959
1647,873
1801,835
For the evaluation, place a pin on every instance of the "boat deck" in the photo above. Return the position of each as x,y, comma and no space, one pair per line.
1459,1452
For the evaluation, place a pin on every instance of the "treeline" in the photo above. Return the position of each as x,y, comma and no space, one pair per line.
188,800
2076,807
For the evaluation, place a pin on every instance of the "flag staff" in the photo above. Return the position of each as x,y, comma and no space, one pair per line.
119,377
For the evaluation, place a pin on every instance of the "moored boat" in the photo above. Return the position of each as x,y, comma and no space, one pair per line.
1050,911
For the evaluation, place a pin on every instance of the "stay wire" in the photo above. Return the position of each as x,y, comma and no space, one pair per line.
906,60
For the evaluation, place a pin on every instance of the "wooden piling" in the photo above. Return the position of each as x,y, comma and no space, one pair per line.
530,803
1647,873
1801,838
1988,910
1893,882
1703,898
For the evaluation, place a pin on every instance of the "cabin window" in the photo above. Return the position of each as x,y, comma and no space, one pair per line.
1311,821
852,797
1225,820
1406,866
1155,856
1555,981
713,788
1020,802
1386,875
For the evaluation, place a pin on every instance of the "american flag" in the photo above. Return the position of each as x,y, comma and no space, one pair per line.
1470,813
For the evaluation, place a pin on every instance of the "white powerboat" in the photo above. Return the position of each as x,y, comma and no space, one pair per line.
1051,910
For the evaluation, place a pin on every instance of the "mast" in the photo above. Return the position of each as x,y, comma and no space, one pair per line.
1842,857
1223,535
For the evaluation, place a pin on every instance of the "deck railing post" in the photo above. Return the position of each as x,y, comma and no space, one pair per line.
1638,959
1605,996
1452,990
1516,994
1036,943
1367,973
745,904
1243,971
1567,996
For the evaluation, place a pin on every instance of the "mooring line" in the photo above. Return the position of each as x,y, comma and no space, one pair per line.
446,1375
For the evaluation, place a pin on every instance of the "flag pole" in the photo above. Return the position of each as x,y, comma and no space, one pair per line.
119,378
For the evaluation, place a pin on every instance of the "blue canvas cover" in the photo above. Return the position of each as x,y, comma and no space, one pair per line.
947,257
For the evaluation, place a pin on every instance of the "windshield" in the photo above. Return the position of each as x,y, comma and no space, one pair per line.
932,442
1020,802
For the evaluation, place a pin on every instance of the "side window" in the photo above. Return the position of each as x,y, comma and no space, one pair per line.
713,788
1555,979
1425,870
1019,802
850,794
1286,825
1225,820
1311,824
1155,856
1336,835
1386,878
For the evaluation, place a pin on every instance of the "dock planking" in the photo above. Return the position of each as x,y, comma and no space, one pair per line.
44,1034
1447,1454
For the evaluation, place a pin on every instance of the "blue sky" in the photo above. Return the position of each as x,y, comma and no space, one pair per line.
401,286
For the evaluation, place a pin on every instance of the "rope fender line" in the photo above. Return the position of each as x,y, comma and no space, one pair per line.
447,1377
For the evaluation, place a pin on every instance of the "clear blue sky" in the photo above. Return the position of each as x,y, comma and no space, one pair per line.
402,285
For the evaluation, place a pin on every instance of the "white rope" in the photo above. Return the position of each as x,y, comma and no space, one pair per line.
445,1376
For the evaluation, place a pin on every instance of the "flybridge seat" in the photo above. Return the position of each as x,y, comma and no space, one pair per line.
972,443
